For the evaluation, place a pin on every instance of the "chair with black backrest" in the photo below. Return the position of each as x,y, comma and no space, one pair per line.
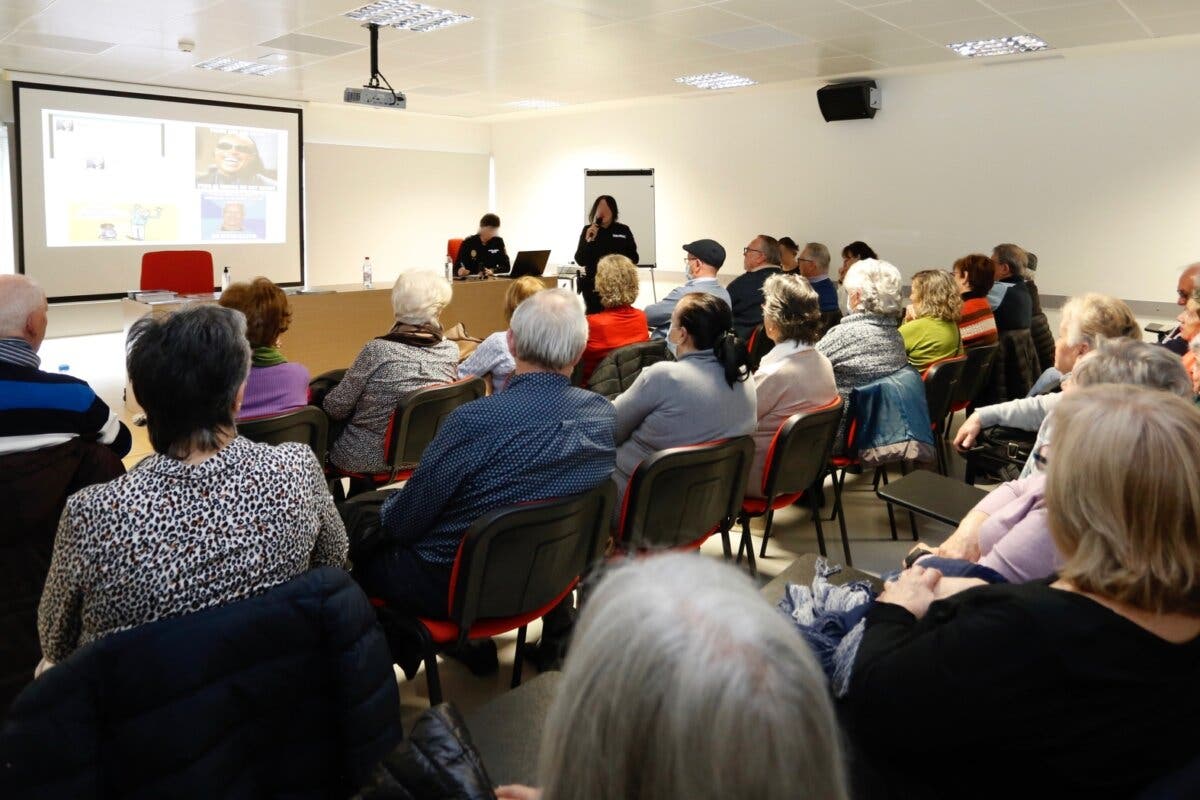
758,344
308,425
678,497
617,371
975,374
513,566
796,465
413,425
940,382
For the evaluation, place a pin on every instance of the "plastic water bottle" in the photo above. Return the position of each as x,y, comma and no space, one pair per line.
449,268
226,279
368,276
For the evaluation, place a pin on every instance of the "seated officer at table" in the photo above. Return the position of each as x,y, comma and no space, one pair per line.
483,252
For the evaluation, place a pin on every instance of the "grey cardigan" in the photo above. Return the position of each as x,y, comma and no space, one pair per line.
674,403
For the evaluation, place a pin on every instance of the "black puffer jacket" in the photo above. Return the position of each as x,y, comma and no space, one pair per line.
287,694
438,760
617,371
1039,328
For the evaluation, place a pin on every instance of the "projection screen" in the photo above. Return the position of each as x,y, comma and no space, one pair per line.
103,177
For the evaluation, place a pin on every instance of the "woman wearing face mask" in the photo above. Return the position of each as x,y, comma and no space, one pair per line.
602,236
704,395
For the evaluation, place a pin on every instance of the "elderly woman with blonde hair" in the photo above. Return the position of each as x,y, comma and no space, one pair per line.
413,354
619,323
492,360
1083,684
674,658
930,331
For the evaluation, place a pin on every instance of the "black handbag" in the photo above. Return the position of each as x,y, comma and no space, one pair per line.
999,454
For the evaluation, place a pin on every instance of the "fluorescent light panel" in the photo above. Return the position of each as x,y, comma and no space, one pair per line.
1005,46
239,66
716,80
534,103
416,17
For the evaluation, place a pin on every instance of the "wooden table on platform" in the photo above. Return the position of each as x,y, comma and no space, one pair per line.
331,324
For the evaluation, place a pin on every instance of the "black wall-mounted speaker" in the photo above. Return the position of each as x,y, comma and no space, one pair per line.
852,100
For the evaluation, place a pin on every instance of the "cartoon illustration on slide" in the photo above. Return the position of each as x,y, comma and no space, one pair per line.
94,162
233,217
138,220
235,158
108,231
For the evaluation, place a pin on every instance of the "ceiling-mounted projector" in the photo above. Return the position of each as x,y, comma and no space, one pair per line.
371,93
375,96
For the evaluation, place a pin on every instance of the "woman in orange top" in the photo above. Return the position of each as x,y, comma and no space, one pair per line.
619,323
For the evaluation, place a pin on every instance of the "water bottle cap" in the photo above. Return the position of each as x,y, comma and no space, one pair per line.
63,367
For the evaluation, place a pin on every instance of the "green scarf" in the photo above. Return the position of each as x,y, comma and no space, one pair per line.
266,357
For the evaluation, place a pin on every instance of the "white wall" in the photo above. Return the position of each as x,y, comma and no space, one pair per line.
1090,160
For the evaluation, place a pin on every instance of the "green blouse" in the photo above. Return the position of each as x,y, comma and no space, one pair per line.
927,340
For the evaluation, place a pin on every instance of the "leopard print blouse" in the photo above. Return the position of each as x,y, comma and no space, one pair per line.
170,538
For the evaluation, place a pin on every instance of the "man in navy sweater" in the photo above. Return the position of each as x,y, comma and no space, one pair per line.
42,409
814,265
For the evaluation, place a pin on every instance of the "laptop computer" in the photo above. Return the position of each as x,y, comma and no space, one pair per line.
529,262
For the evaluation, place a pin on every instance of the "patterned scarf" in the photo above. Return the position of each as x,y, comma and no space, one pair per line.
426,335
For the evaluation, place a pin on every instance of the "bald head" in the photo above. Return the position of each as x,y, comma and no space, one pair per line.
22,310
1187,284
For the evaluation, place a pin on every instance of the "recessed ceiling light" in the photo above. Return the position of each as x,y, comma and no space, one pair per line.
716,80
416,17
239,66
534,103
276,58
1004,46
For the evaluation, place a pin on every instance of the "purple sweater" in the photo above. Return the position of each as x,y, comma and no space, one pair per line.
1015,540
274,390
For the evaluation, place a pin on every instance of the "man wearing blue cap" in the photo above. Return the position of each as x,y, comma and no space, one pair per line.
704,257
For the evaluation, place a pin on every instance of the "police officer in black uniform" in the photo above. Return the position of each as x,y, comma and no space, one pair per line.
483,252
604,236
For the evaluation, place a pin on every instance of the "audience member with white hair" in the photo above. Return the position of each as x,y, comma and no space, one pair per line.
1082,684
1086,321
413,354
676,659
539,438
866,345
41,409
1008,531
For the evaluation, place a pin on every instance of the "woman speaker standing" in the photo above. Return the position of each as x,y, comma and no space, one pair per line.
601,237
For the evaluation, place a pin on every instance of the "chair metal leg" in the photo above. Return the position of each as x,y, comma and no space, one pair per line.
840,513
518,657
746,545
431,672
762,551
812,501
881,473
837,492
725,540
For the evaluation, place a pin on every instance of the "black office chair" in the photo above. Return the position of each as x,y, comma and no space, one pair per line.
414,424
308,425
677,498
758,344
796,465
516,564
940,382
975,374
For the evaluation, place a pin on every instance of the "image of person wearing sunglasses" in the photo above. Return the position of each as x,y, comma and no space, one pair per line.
234,161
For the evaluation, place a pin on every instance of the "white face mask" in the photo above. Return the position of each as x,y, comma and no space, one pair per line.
687,270
671,345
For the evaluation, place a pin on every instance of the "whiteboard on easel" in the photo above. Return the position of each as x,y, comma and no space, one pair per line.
633,189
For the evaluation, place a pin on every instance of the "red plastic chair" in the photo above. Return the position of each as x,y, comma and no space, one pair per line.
452,248
179,271
795,466
513,566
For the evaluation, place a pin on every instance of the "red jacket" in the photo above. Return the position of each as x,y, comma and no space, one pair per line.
610,329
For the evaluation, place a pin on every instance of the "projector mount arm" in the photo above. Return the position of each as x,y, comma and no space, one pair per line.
376,75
